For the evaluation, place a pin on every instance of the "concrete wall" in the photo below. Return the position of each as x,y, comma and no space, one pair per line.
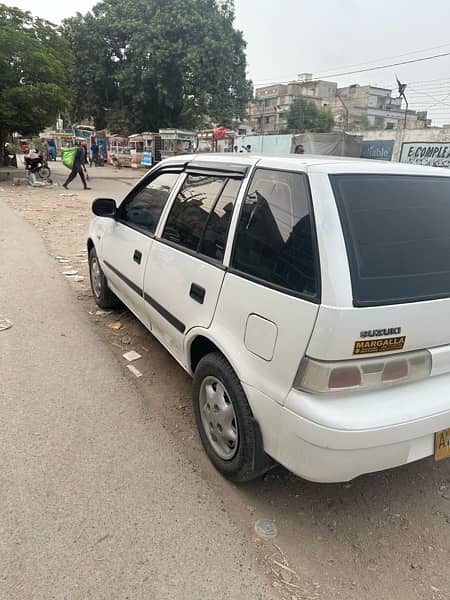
429,134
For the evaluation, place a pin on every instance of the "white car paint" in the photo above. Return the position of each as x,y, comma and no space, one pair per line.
264,334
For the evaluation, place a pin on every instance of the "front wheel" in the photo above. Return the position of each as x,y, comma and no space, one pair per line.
229,433
44,173
103,296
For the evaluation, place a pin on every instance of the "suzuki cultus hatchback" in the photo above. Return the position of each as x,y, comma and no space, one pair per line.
309,298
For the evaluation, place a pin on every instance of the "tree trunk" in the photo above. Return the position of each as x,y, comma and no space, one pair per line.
3,140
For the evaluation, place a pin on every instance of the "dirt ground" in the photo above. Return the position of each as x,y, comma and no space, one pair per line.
382,536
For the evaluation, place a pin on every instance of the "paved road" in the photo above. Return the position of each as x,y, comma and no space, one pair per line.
95,500
384,535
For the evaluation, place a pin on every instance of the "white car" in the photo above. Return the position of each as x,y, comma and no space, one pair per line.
309,298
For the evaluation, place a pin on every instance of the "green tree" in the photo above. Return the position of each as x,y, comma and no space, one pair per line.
146,64
304,115
35,63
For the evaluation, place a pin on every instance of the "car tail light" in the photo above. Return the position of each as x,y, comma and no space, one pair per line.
361,374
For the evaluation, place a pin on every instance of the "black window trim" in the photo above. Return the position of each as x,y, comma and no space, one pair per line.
195,253
177,169
356,302
317,297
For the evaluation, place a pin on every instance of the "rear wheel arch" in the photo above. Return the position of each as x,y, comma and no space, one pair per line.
199,345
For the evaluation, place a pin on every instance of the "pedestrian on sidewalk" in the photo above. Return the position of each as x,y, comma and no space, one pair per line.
45,151
94,154
78,169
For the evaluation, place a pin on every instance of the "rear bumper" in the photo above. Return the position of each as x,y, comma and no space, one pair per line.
329,464
332,439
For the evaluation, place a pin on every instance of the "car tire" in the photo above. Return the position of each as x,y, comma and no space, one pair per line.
229,433
103,296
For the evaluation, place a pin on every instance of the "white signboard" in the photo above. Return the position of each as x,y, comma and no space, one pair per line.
431,154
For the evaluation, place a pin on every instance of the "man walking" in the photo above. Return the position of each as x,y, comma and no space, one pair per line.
78,169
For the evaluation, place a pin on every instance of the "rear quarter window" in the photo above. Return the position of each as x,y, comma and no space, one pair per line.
275,241
397,235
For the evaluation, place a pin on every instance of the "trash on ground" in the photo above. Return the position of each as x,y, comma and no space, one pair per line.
126,340
102,313
78,278
70,273
5,323
64,261
67,195
266,529
131,355
38,183
116,325
135,371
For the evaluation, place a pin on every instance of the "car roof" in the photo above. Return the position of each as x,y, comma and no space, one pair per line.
313,163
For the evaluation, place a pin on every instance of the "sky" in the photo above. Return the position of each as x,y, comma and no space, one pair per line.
331,37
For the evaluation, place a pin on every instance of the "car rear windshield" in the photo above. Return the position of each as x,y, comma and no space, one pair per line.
397,233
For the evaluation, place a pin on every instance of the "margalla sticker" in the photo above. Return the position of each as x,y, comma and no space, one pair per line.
381,345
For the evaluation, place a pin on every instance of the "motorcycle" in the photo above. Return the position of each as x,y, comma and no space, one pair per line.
36,166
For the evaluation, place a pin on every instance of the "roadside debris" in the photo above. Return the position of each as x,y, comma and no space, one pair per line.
126,339
102,313
5,323
286,577
39,183
78,278
70,273
131,355
135,371
116,326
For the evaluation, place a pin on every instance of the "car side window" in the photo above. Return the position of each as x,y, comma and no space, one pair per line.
195,211
215,233
143,210
274,240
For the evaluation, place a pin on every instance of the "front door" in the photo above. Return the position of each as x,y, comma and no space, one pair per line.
185,269
127,241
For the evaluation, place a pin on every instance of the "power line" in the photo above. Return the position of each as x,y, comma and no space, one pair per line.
375,60
368,62
405,62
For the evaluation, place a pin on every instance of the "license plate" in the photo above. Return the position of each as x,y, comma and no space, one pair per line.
442,444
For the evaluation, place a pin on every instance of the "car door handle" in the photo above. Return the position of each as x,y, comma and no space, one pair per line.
197,293
137,256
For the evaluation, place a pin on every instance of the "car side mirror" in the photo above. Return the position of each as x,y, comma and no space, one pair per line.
104,207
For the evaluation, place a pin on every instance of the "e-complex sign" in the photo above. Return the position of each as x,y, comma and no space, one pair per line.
432,154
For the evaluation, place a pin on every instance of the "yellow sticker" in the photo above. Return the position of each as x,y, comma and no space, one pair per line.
381,345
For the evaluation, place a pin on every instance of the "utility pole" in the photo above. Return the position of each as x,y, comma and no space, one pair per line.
345,108
401,94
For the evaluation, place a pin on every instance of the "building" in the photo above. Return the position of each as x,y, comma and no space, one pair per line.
268,112
362,106
353,107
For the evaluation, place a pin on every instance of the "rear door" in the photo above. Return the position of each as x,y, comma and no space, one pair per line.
126,242
185,268
271,293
